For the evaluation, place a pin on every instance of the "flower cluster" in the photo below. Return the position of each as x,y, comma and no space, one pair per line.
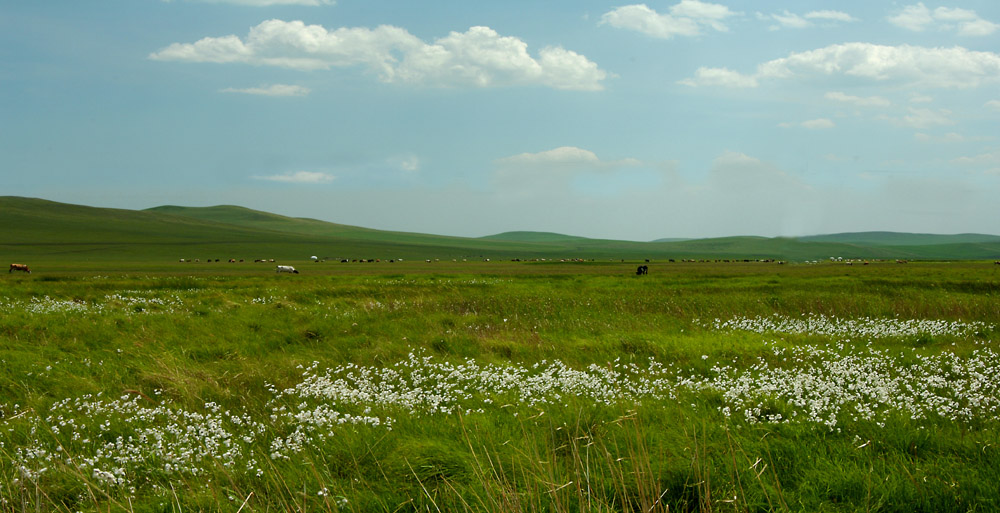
865,327
115,440
829,385
125,441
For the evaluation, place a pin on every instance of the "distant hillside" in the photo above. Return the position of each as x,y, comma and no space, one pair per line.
902,239
533,237
44,229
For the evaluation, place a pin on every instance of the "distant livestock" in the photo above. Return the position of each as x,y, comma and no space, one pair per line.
19,267
285,269
642,269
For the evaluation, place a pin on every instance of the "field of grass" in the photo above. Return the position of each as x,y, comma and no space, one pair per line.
500,386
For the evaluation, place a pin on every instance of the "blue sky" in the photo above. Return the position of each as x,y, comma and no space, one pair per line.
603,119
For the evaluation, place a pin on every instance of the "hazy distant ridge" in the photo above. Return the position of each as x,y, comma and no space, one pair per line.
902,239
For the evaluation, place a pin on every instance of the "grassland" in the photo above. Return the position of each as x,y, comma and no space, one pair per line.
56,233
531,386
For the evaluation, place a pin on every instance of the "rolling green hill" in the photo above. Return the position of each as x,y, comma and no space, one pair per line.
533,237
41,229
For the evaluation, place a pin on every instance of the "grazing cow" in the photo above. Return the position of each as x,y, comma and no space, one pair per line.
997,262
285,269
19,267
642,269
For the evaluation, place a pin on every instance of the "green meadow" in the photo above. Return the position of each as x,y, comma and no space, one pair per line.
155,385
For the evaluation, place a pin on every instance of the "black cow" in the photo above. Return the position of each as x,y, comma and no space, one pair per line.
642,269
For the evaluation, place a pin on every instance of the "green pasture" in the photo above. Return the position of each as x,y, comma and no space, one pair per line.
186,336
37,230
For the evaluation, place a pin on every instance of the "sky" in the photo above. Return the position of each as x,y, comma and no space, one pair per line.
604,119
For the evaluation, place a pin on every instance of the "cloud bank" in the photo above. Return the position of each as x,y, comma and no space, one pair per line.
905,65
479,57
963,22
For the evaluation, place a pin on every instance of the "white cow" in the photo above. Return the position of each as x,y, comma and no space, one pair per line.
286,269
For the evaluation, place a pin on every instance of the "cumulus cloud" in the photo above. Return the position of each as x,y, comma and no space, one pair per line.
993,104
479,57
533,174
686,18
301,177
265,3
789,19
830,16
916,66
409,163
818,124
858,101
988,163
565,156
964,22
273,90
923,118
719,77
988,159
951,137
812,124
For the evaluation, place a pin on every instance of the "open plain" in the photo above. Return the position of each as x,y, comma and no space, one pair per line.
500,386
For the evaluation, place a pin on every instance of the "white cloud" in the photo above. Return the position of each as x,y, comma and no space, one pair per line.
565,156
923,118
789,19
265,3
871,101
304,177
478,57
273,90
993,104
720,77
686,18
812,124
920,98
915,66
818,124
989,163
913,17
964,22
984,159
978,28
830,16
558,170
409,163
950,137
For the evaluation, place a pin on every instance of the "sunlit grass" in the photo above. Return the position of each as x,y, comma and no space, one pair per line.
705,388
